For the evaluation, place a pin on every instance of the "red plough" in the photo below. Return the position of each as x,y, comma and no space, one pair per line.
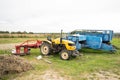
25,47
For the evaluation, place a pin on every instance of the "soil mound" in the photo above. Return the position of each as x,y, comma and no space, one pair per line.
13,64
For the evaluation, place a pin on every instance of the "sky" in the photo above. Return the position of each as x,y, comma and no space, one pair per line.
54,15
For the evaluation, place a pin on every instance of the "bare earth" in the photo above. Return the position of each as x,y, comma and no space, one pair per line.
47,75
8,46
53,75
103,75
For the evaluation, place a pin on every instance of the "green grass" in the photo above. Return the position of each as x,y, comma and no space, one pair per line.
116,42
91,61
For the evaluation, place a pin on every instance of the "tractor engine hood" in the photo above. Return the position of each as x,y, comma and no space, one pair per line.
57,41
68,44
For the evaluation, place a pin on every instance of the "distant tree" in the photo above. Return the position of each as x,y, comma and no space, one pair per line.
30,32
19,32
13,32
116,34
1,31
24,32
4,31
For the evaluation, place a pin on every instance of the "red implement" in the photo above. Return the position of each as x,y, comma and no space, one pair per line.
26,46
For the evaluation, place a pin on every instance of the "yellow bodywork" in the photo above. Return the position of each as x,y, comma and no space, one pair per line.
66,43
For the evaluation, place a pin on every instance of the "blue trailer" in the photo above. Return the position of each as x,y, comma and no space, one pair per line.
95,39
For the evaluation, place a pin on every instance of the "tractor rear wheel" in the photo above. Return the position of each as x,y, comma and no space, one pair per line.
45,49
65,55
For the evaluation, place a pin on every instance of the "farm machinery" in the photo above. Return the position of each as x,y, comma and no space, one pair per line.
24,48
68,47
65,48
95,39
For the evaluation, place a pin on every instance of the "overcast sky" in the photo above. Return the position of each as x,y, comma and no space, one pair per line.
54,15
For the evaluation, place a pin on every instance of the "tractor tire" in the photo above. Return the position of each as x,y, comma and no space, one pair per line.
45,49
65,55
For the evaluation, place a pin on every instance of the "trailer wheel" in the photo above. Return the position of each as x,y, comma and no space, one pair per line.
64,54
45,48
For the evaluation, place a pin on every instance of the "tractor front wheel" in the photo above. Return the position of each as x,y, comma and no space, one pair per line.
64,54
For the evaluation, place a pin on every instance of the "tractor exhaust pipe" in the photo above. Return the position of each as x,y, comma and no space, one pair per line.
61,37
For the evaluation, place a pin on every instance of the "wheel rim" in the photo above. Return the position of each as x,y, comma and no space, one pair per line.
45,49
65,55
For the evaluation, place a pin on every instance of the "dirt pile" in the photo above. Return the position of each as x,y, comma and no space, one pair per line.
13,64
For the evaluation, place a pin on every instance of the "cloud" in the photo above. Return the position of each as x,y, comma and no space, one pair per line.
53,15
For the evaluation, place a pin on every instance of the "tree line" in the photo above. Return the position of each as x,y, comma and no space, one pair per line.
117,35
22,34
18,32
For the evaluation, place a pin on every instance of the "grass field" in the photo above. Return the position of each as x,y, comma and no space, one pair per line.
92,61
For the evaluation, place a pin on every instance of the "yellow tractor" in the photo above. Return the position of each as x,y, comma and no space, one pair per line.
65,48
